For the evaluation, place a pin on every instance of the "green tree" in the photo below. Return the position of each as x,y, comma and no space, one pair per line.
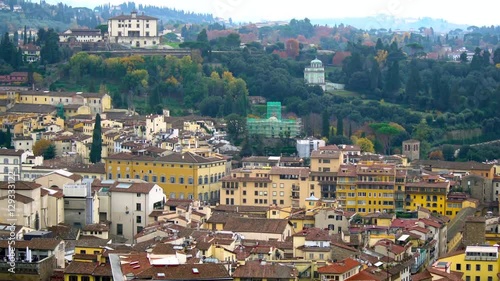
325,122
422,131
385,132
49,42
448,152
49,152
365,145
96,147
340,125
477,60
41,146
413,82
496,56
202,36
236,128
463,57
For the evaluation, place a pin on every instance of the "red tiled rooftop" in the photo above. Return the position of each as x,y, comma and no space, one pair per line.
339,267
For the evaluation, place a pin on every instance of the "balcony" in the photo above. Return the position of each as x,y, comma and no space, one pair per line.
295,188
480,258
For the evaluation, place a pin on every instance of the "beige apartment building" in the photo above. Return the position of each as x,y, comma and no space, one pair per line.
134,29
281,186
26,210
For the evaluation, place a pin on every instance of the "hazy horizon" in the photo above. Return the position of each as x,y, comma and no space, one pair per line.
253,11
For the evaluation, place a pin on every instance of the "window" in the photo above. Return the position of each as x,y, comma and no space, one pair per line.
172,179
458,267
73,278
490,267
321,256
181,180
85,278
311,256
138,206
163,179
478,267
467,267
490,278
190,180
138,219
119,229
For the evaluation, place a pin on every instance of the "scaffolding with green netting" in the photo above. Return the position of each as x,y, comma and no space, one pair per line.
274,126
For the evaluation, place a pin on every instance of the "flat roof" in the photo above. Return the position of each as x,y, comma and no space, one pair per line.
482,249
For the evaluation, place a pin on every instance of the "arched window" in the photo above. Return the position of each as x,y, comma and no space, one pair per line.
200,180
206,179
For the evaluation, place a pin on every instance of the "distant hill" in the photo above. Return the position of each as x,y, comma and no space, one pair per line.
165,14
391,22
34,15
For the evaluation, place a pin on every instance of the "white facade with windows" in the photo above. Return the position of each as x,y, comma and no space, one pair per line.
315,74
135,30
131,203
10,162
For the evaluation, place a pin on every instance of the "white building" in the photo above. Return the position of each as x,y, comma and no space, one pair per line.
10,162
81,35
155,124
305,147
131,204
315,74
135,30
23,143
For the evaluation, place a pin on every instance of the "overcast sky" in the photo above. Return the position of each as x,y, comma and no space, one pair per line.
469,12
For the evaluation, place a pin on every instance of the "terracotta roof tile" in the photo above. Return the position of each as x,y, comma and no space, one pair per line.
163,249
254,269
259,225
339,267
20,185
80,267
19,198
103,270
96,227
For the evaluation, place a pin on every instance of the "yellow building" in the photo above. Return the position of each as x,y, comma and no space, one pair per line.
367,187
280,186
97,102
429,194
88,263
181,175
476,262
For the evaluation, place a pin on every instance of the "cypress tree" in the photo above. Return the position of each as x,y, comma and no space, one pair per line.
96,147
340,126
325,129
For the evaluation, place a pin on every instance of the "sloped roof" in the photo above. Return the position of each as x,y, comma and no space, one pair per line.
339,267
254,269
259,225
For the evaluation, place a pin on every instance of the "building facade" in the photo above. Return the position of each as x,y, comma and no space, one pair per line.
81,35
135,30
131,205
281,186
315,74
181,175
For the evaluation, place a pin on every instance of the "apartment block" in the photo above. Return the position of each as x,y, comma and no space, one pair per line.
281,186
